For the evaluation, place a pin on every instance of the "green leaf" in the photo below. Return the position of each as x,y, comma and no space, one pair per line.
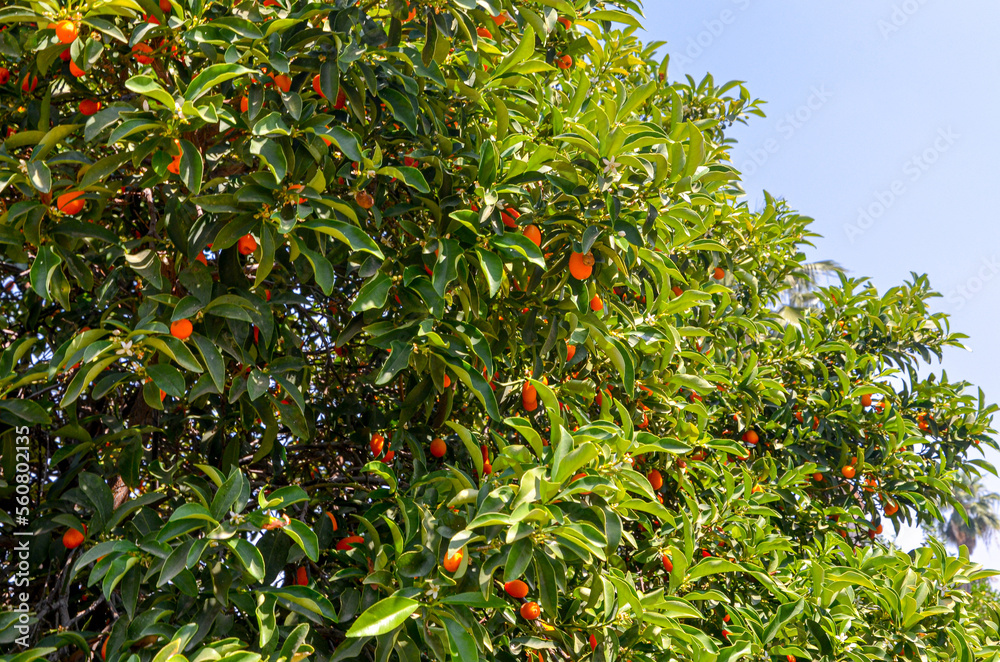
283,497
373,294
446,267
106,27
621,357
575,460
848,576
103,168
304,600
185,308
174,564
518,559
24,411
191,167
39,176
96,124
492,269
489,160
735,652
696,150
474,599
462,642
614,16
322,269
184,357
304,537
351,235
473,379
517,244
233,231
590,235
227,496
399,358
83,379
692,382
271,124
266,621
148,87
99,495
712,566
249,556
130,463
410,176
525,48
294,646
167,378
32,654
329,79
347,142
273,156
213,360
470,445
961,645
383,616
42,269
192,511
212,76
401,107
132,126
257,383
240,26
785,613
417,563
677,608
147,264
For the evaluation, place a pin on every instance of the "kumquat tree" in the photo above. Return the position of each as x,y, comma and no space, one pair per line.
438,331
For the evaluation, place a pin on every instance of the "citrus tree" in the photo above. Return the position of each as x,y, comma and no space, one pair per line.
437,330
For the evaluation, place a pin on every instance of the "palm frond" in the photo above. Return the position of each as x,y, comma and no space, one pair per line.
800,288
973,517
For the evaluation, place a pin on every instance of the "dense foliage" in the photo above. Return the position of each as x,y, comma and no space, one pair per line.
438,331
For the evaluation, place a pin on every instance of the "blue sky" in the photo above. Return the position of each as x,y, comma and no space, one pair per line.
881,127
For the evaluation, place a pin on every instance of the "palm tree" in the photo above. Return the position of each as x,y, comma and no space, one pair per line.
976,516
800,294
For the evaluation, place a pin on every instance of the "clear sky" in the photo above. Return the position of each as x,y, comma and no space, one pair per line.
881,126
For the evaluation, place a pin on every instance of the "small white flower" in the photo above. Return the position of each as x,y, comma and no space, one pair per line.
433,592
611,167
126,349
